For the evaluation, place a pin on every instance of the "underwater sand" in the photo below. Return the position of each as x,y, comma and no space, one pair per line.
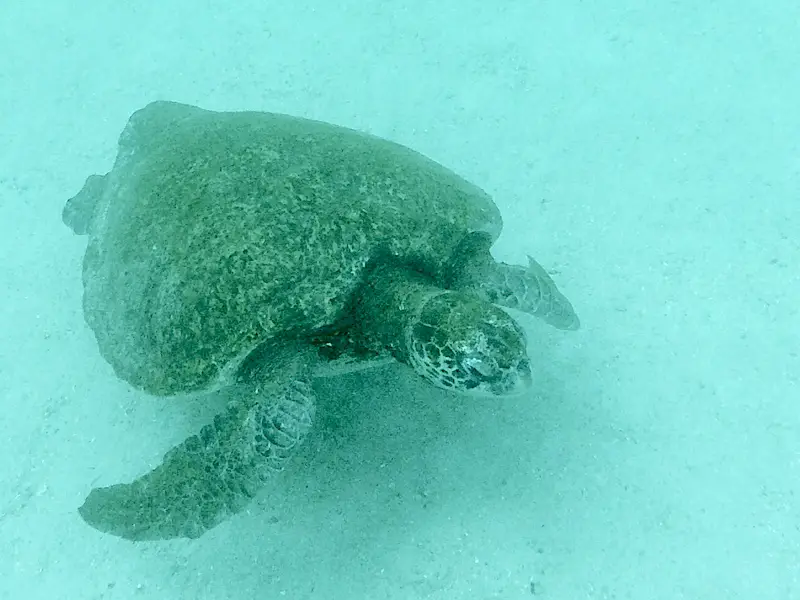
648,156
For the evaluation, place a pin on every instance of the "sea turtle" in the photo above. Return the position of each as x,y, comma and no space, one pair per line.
244,249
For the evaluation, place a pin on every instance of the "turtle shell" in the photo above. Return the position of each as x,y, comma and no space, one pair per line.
217,232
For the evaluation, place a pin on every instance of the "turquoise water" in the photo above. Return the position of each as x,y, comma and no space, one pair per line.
647,155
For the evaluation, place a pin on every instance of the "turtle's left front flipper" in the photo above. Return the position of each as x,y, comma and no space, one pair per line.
530,290
214,474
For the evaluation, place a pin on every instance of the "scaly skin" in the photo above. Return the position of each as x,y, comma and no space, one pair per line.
214,474
528,289
454,340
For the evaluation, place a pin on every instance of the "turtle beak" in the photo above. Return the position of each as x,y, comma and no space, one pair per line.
485,377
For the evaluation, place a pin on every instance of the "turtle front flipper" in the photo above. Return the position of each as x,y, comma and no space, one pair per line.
214,474
530,290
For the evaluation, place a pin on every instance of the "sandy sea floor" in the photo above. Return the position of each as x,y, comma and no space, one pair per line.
648,156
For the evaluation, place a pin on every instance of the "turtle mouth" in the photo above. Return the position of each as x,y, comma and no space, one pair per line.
487,377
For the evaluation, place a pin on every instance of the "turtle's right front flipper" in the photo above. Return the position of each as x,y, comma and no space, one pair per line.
214,474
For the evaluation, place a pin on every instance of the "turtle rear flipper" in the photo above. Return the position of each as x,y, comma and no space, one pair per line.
214,474
79,210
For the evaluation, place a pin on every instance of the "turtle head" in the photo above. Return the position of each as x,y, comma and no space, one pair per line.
462,343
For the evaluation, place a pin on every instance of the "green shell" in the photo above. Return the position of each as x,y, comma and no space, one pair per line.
216,232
